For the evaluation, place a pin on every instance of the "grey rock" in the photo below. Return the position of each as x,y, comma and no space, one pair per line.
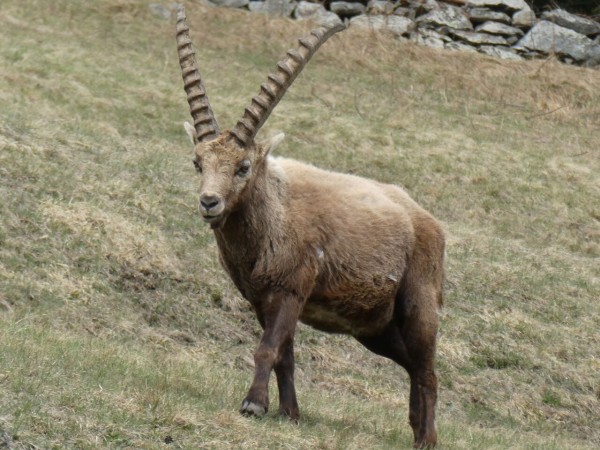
478,15
548,37
479,38
306,10
523,19
426,32
160,11
328,19
397,25
273,7
423,6
283,8
529,54
376,7
430,38
459,46
500,52
510,5
347,9
258,7
582,25
429,41
406,12
448,16
317,13
380,7
512,40
499,28
230,3
593,56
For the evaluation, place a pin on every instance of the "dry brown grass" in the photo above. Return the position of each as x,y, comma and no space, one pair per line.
117,325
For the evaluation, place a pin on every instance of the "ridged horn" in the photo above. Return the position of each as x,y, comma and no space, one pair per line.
205,123
278,83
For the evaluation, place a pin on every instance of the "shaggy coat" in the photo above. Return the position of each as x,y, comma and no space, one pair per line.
338,252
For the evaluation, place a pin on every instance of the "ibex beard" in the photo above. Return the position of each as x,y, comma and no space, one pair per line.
338,252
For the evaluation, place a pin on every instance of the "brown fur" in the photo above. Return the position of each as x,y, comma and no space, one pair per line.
338,252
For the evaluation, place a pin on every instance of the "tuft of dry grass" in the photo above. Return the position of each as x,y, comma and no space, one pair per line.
117,326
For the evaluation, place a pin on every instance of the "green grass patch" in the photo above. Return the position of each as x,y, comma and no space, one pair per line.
119,329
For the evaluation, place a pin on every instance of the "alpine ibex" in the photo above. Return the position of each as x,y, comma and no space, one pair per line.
341,253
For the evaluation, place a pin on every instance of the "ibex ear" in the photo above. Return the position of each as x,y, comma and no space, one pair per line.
191,132
270,144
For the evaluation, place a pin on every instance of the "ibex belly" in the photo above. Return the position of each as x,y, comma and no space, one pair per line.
357,310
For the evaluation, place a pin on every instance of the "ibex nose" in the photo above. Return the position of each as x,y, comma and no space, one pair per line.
209,202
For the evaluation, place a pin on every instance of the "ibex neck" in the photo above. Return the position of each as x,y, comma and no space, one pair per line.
260,217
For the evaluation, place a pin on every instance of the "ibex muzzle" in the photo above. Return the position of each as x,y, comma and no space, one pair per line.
226,173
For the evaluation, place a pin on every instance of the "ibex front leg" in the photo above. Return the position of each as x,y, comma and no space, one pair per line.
278,314
284,369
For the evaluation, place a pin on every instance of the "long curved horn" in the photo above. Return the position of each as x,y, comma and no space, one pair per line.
204,119
278,83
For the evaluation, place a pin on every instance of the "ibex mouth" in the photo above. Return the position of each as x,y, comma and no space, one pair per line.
215,222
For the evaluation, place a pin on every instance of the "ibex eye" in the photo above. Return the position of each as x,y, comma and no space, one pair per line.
197,166
243,169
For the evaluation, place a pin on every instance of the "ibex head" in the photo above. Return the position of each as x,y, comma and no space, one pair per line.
230,161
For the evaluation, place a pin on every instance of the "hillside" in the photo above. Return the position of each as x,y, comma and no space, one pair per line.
119,329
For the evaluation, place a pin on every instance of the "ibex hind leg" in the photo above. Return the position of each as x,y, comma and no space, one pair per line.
390,344
410,341
417,321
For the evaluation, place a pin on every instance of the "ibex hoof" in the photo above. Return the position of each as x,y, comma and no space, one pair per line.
252,409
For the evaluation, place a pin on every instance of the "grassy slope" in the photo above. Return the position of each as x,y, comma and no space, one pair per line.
118,328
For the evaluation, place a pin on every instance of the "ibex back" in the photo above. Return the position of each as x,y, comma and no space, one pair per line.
338,252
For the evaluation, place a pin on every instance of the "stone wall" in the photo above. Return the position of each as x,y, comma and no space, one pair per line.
507,29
